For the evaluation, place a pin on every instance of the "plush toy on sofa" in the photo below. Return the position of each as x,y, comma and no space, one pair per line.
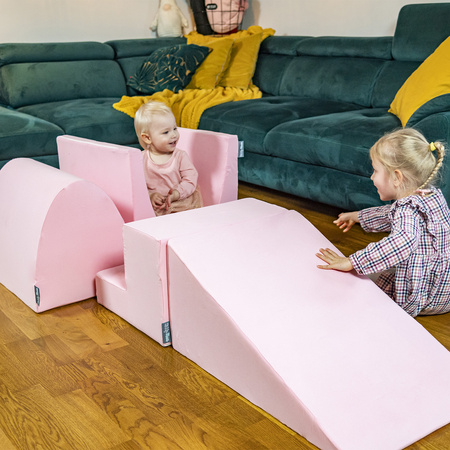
169,20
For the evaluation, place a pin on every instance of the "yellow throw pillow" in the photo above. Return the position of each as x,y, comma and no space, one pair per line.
427,90
208,75
244,55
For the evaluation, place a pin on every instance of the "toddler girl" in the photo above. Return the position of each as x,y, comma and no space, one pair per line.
169,173
418,246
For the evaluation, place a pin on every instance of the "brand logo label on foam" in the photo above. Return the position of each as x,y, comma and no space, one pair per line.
37,295
167,338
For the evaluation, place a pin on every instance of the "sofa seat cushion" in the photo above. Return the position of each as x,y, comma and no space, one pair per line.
93,118
26,136
251,120
340,141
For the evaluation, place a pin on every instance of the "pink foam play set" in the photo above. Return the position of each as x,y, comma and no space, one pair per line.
233,286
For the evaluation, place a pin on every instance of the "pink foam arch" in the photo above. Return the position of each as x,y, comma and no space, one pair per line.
57,232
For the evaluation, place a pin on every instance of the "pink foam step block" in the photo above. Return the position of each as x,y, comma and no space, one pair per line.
137,291
56,232
325,352
118,169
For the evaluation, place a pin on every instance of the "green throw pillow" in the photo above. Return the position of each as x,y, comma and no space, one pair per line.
168,68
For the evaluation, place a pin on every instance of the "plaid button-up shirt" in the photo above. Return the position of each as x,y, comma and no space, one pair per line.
418,246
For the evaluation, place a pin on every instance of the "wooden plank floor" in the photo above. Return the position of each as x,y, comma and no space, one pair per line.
79,377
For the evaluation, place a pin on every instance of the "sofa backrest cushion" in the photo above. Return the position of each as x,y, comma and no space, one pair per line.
126,48
281,45
60,51
275,54
356,47
390,80
342,79
42,73
322,67
420,29
269,72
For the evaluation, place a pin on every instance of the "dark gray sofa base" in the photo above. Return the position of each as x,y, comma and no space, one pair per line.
305,180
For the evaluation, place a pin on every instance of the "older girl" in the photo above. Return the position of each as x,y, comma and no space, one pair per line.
405,166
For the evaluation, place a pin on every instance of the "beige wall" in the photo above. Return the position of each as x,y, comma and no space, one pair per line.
329,17
101,20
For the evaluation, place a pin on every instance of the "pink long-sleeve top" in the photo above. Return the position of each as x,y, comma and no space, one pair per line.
178,173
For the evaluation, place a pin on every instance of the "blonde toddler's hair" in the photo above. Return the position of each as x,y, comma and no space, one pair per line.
407,150
145,114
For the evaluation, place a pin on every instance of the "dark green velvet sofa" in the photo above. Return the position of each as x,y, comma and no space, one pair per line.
325,103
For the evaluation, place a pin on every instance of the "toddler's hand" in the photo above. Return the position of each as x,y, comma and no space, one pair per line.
158,200
334,261
346,220
172,196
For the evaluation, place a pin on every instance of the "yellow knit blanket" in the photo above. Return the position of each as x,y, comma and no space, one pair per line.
188,105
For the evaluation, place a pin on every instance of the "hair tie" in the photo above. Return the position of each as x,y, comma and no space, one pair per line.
432,147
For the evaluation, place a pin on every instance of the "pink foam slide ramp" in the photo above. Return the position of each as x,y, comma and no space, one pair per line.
118,169
56,232
325,352
138,290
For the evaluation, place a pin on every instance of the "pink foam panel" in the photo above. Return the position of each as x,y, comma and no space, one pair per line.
116,169
325,352
214,155
56,232
137,291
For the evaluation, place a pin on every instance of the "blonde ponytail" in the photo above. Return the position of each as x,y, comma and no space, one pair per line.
440,151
